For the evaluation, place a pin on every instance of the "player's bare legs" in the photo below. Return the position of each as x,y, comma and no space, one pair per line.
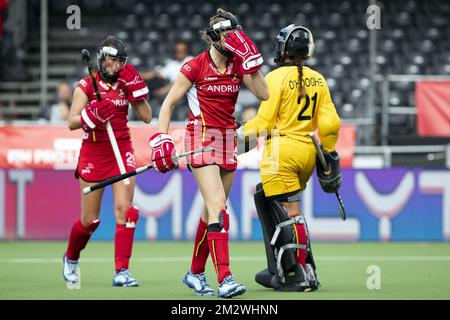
210,185
80,234
195,277
227,180
123,198
90,204
214,183
126,219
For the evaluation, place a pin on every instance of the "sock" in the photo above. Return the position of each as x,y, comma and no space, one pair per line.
201,249
300,238
79,237
123,239
218,247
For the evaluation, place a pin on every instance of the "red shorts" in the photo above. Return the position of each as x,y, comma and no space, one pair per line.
97,161
224,143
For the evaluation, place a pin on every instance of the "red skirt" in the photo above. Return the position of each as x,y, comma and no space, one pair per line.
97,161
223,142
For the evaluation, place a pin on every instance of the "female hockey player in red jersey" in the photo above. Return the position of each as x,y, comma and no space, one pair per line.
211,81
119,84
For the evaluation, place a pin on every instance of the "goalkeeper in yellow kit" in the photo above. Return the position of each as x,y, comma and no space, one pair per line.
299,103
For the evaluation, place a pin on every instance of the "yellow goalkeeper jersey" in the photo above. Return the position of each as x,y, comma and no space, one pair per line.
294,117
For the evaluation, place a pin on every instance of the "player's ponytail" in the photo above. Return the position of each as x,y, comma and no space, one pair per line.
301,88
293,45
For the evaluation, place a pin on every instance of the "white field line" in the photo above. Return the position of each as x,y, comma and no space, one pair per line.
235,258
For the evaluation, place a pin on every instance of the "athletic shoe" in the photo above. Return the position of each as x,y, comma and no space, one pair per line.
230,288
123,278
198,283
71,273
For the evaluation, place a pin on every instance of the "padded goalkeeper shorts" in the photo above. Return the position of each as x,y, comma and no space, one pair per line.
286,165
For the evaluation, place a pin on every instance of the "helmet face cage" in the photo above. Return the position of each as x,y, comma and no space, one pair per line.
230,23
287,43
108,51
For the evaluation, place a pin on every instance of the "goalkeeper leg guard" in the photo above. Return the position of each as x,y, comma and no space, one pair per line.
311,264
288,275
264,276
301,239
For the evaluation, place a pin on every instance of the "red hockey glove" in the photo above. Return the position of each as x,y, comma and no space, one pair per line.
97,112
163,152
245,50
133,85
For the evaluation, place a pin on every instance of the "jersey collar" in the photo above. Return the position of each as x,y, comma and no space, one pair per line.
108,86
105,85
228,69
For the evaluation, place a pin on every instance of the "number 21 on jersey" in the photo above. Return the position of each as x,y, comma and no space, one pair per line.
301,116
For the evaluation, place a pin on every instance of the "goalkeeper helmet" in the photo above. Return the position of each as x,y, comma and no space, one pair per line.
293,41
111,47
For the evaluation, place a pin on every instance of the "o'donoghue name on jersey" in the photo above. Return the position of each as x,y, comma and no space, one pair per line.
306,82
221,88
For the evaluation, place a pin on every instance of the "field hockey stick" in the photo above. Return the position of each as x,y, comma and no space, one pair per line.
136,171
326,167
87,59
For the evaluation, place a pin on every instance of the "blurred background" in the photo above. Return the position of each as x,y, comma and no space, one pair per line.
390,85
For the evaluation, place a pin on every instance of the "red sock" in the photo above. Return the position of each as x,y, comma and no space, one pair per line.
79,237
300,238
218,246
201,249
123,239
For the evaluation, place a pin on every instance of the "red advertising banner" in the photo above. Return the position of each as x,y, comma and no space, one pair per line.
346,145
433,108
56,147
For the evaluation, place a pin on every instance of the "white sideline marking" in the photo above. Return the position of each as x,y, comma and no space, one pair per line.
235,258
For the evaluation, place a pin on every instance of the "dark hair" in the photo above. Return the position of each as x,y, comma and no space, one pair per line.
221,15
114,42
298,62
301,89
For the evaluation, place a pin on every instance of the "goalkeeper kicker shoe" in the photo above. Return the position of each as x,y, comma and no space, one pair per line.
230,288
198,283
123,278
71,273
313,279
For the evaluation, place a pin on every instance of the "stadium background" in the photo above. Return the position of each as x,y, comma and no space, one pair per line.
390,86
389,189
